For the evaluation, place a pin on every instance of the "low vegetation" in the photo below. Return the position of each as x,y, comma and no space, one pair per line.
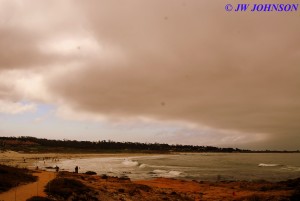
71,186
11,177
38,198
91,173
69,189
32,144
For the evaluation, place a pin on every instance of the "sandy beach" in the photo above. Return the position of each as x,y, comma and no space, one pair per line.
17,159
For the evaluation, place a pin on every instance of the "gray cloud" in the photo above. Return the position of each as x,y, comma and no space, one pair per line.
196,64
19,49
25,27
180,60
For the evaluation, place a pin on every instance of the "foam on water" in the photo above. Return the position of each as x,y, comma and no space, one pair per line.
143,165
268,165
291,168
175,173
208,166
160,171
130,163
166,173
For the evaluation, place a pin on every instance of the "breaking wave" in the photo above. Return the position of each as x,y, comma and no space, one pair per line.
143,165
166,173
268,165
130,163
291,168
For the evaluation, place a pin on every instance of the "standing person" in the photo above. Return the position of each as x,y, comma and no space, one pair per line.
76,169
57,168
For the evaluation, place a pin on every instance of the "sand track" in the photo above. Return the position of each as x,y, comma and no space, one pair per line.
23,192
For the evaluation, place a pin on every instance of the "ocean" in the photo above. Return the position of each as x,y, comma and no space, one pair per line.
198,166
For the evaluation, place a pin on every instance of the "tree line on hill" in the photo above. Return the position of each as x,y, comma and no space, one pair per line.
32,143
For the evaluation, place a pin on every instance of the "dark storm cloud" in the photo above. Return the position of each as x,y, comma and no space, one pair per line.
192,61
25,29
18,49
178,60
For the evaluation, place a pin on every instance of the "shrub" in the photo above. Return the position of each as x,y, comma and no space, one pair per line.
64,187
90,173
38,198
104,176
124,177
11,177
295,196
254,198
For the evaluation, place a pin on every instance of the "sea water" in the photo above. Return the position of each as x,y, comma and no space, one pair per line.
200,166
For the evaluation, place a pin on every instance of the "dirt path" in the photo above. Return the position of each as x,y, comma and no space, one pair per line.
22,193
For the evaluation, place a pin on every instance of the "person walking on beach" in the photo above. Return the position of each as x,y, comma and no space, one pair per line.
76,169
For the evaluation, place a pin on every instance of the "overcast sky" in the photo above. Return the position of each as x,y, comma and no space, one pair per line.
172,71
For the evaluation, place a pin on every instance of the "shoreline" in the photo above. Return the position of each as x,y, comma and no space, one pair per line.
25,160
34,161
103,187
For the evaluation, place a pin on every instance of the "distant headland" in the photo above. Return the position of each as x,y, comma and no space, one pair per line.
41,145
